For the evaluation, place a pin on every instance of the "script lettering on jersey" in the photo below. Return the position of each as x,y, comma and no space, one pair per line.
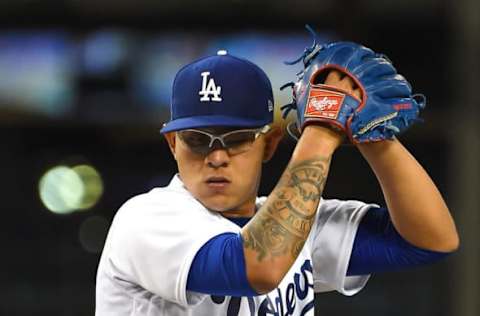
281,302
210,91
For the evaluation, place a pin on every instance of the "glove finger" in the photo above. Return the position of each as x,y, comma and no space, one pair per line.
401,104
345,54
361,54
392,86
374,68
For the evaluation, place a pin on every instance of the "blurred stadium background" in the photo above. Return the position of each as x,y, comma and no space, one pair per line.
85,86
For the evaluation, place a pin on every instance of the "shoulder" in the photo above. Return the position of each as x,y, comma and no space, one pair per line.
165,209
162,219
159,200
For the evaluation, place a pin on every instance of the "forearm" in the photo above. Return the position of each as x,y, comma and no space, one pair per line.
416,207
276,234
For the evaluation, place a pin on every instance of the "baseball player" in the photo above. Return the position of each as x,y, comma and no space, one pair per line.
206,244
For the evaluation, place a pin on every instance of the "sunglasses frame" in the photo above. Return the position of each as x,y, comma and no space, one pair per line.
258,131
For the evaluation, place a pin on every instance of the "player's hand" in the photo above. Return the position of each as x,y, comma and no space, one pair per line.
337,80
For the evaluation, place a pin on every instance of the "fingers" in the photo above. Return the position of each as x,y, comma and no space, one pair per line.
357,92
340,80
334,78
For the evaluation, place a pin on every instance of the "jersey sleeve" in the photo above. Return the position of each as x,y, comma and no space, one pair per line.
332,243
153,241
378,247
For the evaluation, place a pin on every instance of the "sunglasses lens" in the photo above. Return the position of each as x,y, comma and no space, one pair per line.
197,141
239,141
239,138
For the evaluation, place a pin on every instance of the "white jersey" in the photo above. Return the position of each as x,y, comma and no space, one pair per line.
154,238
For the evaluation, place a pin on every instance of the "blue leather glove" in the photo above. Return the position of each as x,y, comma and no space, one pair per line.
387,106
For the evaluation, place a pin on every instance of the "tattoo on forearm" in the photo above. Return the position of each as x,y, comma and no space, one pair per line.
284,222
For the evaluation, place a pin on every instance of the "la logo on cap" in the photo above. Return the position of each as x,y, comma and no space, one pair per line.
210,91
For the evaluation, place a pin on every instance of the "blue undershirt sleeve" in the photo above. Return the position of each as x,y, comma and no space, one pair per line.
219,268
378,247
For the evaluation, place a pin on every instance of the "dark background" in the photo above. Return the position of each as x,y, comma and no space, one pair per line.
49,270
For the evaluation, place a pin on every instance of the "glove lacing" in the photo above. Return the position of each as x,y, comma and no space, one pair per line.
290,106
308,54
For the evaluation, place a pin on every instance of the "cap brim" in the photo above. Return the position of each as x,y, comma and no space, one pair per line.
209,121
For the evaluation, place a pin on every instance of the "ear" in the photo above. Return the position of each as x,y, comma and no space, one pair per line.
171,140
272,139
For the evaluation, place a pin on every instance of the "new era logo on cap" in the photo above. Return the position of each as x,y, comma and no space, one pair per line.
220,90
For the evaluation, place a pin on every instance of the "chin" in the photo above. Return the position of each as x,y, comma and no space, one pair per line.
214,207
218,205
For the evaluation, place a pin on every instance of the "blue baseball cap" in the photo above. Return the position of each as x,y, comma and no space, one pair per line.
220,90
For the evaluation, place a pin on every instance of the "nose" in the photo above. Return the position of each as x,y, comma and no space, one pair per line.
218,158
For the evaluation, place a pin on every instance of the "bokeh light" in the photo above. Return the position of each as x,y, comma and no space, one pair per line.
64,190
93,186
92,233
61,190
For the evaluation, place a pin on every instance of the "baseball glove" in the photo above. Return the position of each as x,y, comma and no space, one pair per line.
387,105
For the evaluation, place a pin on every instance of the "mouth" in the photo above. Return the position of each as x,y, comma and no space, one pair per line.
217,182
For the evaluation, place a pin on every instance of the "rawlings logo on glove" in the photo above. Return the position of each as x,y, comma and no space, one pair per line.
323,103
387,106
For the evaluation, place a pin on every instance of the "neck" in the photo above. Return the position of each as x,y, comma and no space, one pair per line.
246,210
